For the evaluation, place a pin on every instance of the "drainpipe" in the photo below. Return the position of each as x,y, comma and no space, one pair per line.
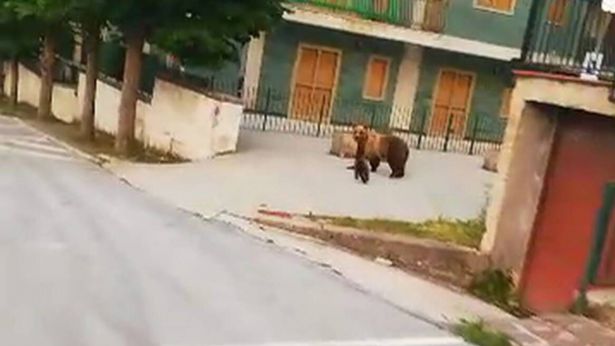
601,229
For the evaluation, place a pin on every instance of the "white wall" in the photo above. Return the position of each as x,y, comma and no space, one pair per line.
178,120
405,88
64,105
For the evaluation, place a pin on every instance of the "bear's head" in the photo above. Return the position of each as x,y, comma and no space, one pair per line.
360,133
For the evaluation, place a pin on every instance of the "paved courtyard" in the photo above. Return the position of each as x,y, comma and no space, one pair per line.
296,174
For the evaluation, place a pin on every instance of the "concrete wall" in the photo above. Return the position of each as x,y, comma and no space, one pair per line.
189,123
524,158
406,85
528,157
465,20
178,120
589,96
64,106
280,54
466,34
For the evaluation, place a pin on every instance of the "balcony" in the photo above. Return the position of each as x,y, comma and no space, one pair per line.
426,15
571,37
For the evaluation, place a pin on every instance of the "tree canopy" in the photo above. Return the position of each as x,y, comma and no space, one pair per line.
203,32
19,35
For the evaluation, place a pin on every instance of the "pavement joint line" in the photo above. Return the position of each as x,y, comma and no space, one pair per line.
50,147
61,143
34,153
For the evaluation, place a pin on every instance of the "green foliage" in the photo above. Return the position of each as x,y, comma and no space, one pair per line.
50,13
197,32
497,287
465,233
479,334
19,36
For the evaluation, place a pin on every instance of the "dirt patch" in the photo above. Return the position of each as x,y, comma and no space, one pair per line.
603,314
70,134
445,263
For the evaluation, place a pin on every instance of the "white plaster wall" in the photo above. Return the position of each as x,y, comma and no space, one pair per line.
180,120
189,124
225,128
7,80
107,108
254,61
64,106
405,88
29,86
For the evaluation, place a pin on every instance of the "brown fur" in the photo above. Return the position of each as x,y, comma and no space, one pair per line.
361,169
381,147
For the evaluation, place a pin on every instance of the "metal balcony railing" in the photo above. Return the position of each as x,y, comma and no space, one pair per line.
428,15
570,37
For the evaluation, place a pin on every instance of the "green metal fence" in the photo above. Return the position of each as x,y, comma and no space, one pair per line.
572,37
427,15
268,109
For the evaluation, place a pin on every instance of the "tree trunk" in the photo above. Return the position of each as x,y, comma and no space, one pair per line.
130,89
3,77
47,66
14,78
92,40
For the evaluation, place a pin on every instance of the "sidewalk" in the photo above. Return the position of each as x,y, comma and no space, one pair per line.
430,301
425,299
296,174
556,330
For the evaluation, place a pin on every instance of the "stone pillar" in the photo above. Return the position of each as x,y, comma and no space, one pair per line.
253,64
406,86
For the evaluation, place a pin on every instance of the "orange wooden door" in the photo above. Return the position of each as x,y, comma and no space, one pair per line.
381,6
315,81
452,102
433,19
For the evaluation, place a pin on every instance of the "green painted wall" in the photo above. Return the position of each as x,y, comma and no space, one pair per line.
492,77
466,21
279,58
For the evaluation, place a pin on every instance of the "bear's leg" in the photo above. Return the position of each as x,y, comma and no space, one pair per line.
398,173
374,161
398,157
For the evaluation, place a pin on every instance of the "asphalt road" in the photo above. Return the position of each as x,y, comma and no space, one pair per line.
87,260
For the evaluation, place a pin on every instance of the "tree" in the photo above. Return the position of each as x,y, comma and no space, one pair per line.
52,17
179,26
90,16
18,39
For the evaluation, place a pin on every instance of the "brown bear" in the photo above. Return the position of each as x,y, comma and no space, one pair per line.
389,148
361,168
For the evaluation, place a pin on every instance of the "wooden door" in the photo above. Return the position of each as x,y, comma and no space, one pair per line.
433,17
315,80
581,164
381,6
452,102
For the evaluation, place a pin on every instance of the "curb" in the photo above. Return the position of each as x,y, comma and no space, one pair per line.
446,263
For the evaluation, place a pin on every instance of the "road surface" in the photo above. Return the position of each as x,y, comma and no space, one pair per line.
87,260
